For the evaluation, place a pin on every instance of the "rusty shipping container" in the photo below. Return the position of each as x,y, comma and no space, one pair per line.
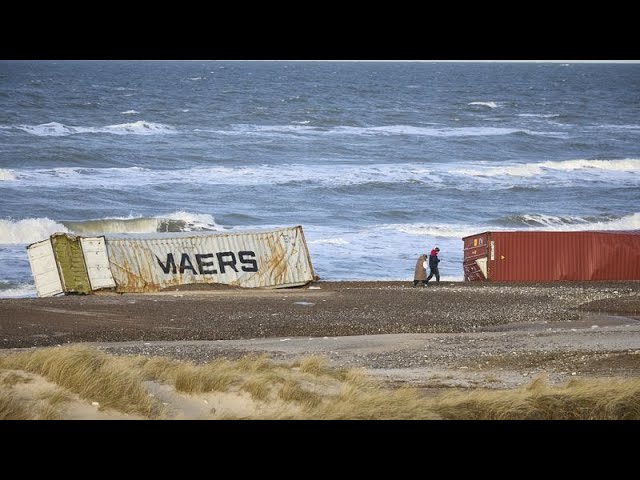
269,258
65,263
546,256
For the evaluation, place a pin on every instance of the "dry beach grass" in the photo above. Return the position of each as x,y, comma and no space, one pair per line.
331,350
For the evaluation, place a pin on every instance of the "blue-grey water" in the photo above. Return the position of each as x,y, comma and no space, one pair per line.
378,161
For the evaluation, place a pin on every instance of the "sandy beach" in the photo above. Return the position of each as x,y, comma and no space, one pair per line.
452,334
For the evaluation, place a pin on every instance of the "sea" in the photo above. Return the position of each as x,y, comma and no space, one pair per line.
379,162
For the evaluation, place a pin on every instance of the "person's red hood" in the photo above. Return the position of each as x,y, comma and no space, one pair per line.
433,252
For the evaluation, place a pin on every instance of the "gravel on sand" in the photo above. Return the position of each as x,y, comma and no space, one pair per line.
466,334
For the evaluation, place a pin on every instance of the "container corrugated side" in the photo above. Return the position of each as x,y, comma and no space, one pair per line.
271,258
551,256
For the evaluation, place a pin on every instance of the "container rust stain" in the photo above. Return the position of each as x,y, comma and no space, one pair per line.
253,259
548,256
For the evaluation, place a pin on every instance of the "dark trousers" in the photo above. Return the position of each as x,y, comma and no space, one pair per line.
436,272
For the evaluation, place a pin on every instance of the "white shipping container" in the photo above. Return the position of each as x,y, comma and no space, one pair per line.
271,258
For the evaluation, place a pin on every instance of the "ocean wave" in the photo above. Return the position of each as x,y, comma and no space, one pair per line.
35,229
615,127
130,112
328,241
173,222
539,115
385,130
431,230
571,222
19,291
485,104
540,168
6,175
535,222
625,165
464,175
55,129
29,230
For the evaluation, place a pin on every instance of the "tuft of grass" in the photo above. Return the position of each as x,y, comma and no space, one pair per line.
161,368
307,389
368,401
91,374
214,376
314,365
291,391
55,397
259,388
48,411
253,363
12,408
13,378
596,399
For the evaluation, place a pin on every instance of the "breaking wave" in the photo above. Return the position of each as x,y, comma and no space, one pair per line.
569,222
539,168
55,129
485,104
35,229
6,175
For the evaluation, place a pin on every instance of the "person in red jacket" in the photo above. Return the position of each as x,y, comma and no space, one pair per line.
433,266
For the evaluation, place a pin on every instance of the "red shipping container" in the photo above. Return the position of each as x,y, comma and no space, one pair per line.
546,256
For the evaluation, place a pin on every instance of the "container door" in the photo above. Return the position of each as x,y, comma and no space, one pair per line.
97,262
44,269
476,254
70,263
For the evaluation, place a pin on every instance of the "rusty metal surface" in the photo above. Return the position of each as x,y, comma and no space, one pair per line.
475,255
544,256
270,258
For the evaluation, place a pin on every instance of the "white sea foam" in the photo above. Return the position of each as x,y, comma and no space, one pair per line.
485,104
113,225
130,112
193,221
329,241
539,115
630,165
616,127
28,230
386,130
6,175
55,129
550,222
428,131
537,169
35,229
431,230
22,291
180,221
459,175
